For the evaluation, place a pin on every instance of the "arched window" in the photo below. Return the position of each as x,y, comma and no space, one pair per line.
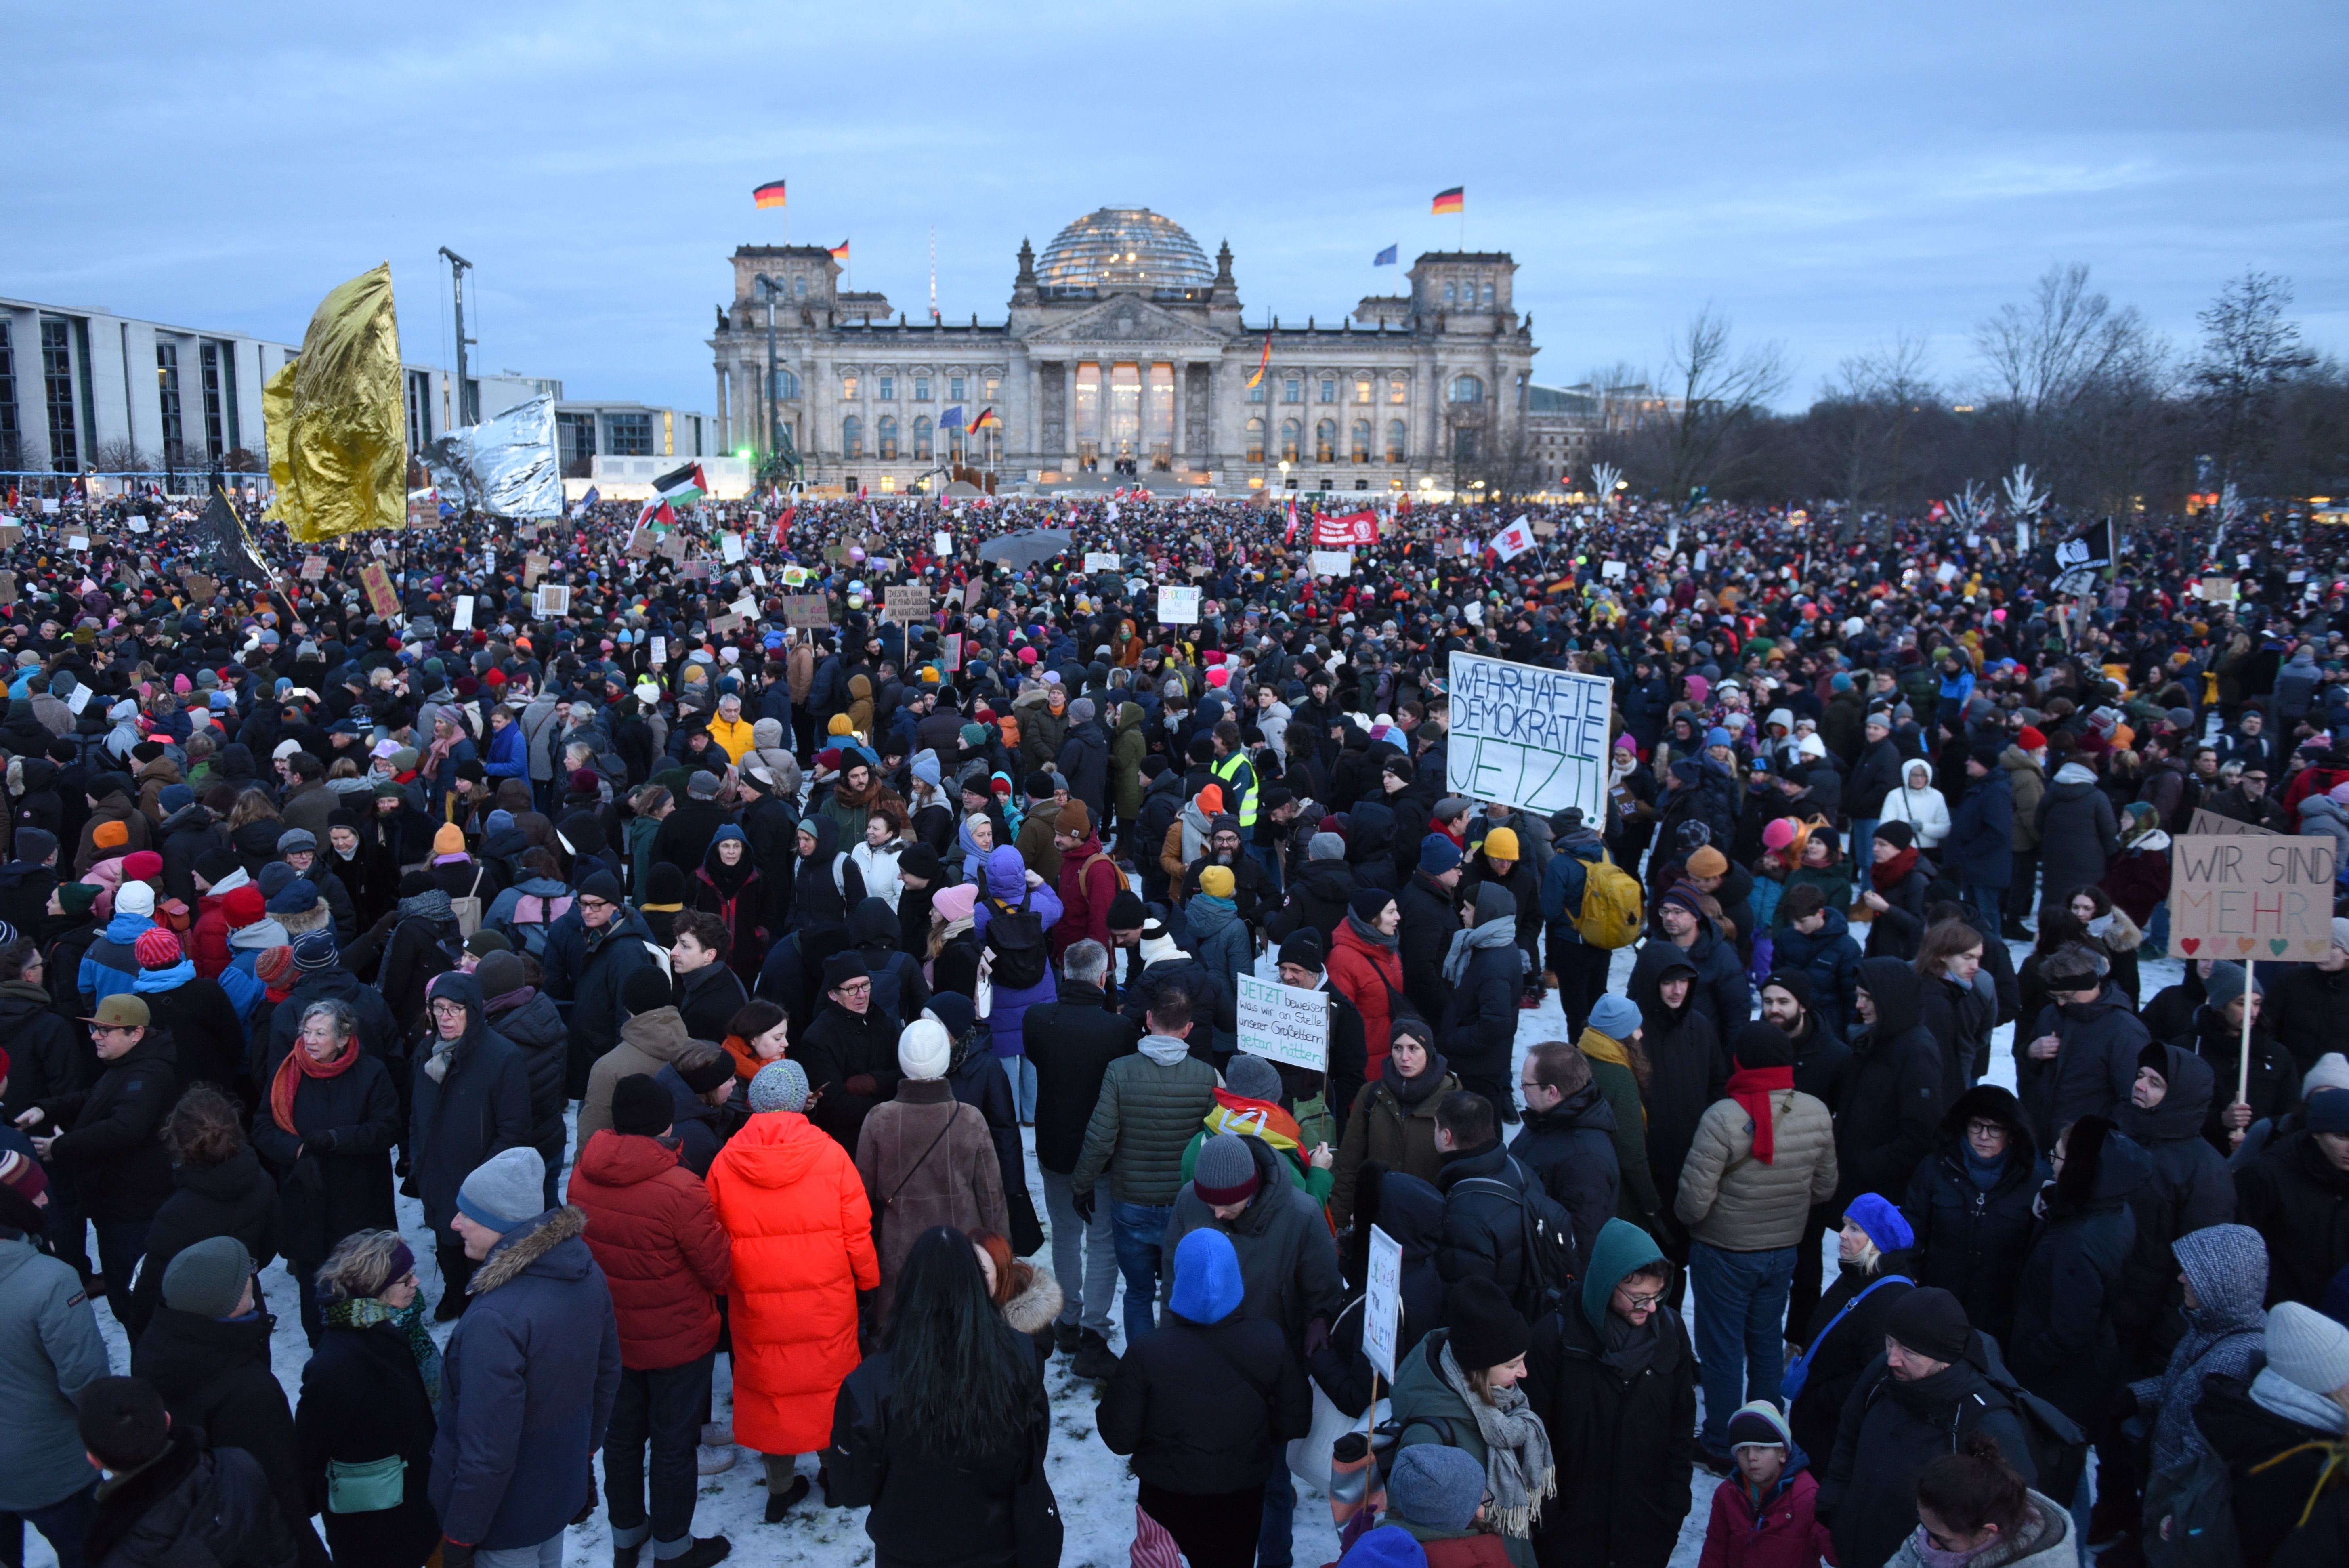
1362,444
922,435
1289,435
1256,439
851,437
1325,441
1467,389
1488,294
787,386
1394,441
1447,293
888,430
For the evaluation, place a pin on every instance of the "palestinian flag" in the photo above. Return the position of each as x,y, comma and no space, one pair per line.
1449,200
681,486
657,514
770,194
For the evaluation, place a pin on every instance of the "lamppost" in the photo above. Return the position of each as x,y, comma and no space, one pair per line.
774,415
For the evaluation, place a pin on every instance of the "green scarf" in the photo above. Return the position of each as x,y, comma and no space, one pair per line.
368,1311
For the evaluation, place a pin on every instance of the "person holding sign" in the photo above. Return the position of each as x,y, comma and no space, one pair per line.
1337,1085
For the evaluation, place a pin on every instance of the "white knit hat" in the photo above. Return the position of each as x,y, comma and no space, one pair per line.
2330,1071
924,1050
2307,1347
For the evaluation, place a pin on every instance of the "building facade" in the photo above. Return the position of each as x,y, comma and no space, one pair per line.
1125,352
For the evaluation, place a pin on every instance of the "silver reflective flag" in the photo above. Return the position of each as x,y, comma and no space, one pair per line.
505,467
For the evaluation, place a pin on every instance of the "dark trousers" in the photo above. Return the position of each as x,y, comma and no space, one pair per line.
1581,971
662,1408
1214,1530
68,1232
61,1523
1810,1269
2021,892
120,1244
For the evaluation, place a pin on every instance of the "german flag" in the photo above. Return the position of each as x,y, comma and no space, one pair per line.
840,252
1448,201
1262,360
987,419
770,194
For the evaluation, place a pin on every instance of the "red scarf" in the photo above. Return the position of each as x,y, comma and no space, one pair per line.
1751,1089
298,1064
1887,874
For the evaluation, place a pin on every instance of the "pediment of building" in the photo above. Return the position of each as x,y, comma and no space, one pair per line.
1124,320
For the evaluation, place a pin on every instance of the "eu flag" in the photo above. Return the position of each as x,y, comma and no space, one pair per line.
951,419
1385,258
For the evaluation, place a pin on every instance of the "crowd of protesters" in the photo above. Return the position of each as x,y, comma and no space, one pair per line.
706,953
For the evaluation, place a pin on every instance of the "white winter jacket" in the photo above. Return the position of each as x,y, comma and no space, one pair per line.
1919,805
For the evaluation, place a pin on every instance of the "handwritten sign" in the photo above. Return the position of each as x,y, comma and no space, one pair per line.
953,659
1382,1302
725,626
1100,561
2232,897
1178,606
2216,589
1333,563
533,567
729,547
553,601
2227,827
314,569
907,604
376,579
1533,739
640,543
200,588
809,612
1284,1023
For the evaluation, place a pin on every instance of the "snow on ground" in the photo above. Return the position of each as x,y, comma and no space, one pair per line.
1095,1488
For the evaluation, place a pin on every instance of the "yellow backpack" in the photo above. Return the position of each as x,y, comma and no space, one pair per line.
1613,911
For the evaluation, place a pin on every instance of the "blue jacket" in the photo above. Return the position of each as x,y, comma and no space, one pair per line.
1980,845
1831,958
110,965
526,1384
508,756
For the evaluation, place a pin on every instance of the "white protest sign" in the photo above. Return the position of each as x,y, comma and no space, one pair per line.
759,575
660,651
78,542
1333,564
1100,561
729,547
1612,571
460,614
1178,606
942,542
1383,1303
2236,897
1533,739
1284,1023
553,599
79,699
138,525
746,607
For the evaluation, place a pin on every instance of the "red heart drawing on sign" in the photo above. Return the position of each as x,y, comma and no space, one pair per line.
2190,944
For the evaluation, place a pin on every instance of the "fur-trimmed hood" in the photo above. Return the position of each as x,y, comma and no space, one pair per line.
1033,1309
521,1248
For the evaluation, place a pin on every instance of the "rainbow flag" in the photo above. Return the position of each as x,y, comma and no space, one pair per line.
770,194
1449,200
1262,360
840,252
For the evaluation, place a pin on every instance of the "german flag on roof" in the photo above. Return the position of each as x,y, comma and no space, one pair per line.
770,194
1450,200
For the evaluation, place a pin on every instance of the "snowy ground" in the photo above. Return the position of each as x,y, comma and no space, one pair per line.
1095,1488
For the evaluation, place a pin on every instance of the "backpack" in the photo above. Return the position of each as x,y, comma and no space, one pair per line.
448,937
1612,913
2055,1438
1546,1242
2190,1515
530,917
1015,937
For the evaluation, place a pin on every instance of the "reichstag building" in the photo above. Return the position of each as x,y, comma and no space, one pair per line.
1125,352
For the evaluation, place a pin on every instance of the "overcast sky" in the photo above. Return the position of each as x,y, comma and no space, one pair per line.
1826,174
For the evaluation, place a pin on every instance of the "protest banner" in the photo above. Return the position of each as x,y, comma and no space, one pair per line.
2235,897
1100,561
907,604
1383,1303
1354,528
1178,606
1284,1023
809,612
376,579
1333,563
1533,739
2210,822
553,600
314,569
2216,589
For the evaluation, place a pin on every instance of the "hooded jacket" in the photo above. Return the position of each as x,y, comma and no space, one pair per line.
2226,1265
2093,1068
1485,970
2065,1347
1892,1094
649,1042
2298,1201
1972,1239
662,1254
1919,805
2078,833
2186,1188
479,1106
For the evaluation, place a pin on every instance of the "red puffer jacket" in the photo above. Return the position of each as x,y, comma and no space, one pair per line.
650,1228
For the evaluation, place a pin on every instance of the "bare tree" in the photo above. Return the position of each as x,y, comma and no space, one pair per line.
2249,352
1865,418
1710,392
2044,356
120,456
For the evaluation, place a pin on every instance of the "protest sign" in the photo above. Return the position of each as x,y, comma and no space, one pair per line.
138,525
1533,739
907,604
2227,827
2234,897
809,612
460,614
533,567
758,576
1333,563
795,576
553,600
746,607
1284,1023
942,543
640,544
12,534
1100,561
1383,1303
730,548
953,650
314,569
200,588
660,651
78,542
2216,589
7,587
673,547
1612,571
376,579
695,572
971,590
1354,528
725,626
1178,606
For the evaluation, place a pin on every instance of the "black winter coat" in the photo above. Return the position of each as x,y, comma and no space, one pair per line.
234,1198
1072,1041
1571,1147
1849,1348
2307,1011
535,1029
1690,1071
2093,1068
2187,1188
206,1030
1478,1034
839,1046
2078,836
2065,1347
1084,762
1624,1438
115,1149
707,1000
928,1508
588,976
47,1058
1484,1229
1892,1096
1959,1017
335,1168
1891,1431
2274,1086
363,1399
481,1109
1428,922
1720,993
2246,1434
379,1032
215,1375
212,1506
1206,1407
2298,1201
1970,1242
1317,895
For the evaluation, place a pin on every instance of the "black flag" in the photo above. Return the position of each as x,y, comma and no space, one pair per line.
2080,558
221,538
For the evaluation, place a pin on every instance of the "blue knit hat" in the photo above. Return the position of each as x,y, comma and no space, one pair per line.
1436,1487
1885,1225
1438,855
1617,1017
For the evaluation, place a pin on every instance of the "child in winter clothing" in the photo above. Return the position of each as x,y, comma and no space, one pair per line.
1762,1515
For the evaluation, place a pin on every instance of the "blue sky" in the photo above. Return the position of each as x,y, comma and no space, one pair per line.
1826,174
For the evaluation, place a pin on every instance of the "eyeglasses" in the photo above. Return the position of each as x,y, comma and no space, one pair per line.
854,987
596,903
1985,1129
1637,1302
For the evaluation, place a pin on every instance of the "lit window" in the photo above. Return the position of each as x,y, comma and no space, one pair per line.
922,436
1467,389
921,388
954,389
888,430
1256,439
1325,441
1289,431
888,388
1293,390
1361,388
848,388
851,437
1397,390
1362,442
1394,441
1329,389
994,386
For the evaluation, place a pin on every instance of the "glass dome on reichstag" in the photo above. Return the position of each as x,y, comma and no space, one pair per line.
1124,248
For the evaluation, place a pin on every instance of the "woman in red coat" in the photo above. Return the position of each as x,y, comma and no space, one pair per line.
1366,968
794,1207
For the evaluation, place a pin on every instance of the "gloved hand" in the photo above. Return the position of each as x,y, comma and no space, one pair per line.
455,1555
1317,1336
861,1083
586,1510
1083,1202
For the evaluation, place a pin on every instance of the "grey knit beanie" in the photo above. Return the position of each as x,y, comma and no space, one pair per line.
780,1086
207,1279
505,1190
2304,1347
1252,1077
1437,1486
1325,847
1225,1172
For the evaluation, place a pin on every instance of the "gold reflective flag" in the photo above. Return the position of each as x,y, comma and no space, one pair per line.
337,433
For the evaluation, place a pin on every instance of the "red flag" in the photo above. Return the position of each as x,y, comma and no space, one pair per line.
783,523
1290,536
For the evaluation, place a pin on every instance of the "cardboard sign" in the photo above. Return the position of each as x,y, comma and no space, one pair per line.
376,579
2210,822
1530,738
953,648
422,511
1100,561
10,535
640,544
1284,1023
1178,606
2232,897
809,612
533,567
7,587
200,588
1383,1303
1333,563
314,569
554,602
725,626
2216,589
907,604
673,547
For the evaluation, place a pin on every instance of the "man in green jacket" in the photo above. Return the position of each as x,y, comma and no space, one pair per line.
50,1352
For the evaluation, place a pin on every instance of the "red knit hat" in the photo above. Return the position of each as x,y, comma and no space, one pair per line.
145,865
158,949
272,963
243,905
2029,738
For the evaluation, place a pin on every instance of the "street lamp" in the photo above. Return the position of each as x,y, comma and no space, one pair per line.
774,415
1284,473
